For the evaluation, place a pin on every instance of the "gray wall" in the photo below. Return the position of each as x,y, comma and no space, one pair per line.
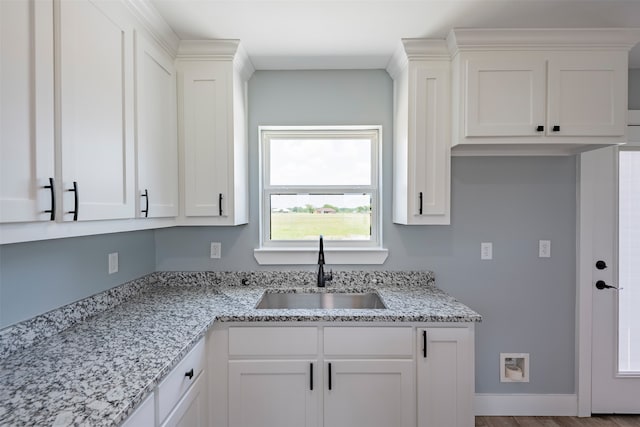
37,277
528,303
634,89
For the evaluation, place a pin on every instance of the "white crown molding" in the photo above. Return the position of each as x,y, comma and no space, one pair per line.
539,405
153,22
218,50
416,49
466,39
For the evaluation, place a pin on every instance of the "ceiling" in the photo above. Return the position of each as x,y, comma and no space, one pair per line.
348,34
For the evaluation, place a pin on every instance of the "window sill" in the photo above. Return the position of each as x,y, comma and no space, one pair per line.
333,256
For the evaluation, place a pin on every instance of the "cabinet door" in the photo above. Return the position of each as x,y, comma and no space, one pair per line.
191,411
445,377
96,109
157,135
372,393
431,146
26,112
588,94
505,95
207,123
143,416
275,393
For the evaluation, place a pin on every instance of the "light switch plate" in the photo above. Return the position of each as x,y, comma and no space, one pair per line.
486,250
113,262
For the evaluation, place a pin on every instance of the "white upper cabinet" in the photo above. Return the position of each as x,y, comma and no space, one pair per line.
212,114
26,114
157,134
539,91
422,138
505,95
95,52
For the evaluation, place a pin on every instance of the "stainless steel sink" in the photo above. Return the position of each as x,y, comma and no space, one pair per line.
357,301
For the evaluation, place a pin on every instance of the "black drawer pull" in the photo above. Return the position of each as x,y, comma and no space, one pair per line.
556,128
424,344
420,208
329,375
220,204
52,190
311,376
540,128
145,211
76,196
189,373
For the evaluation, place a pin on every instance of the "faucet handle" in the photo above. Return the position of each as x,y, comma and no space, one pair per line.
329,277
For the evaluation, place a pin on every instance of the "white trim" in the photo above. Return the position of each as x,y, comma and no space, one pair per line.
584,329
558,405
633,118
308,256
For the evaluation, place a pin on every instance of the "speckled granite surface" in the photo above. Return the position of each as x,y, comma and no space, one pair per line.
96,372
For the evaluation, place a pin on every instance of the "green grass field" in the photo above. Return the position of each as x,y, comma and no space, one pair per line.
307,226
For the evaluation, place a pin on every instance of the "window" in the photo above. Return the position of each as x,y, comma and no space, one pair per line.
320,181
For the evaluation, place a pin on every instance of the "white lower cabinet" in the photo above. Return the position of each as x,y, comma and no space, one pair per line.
191,411
372,393
273,393
144,415
445,377
339,376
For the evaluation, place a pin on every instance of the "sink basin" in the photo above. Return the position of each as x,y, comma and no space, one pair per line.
311,301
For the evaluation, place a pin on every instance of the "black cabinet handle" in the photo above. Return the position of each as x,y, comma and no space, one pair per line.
329,375
424,344
76,196
311,376
52,190
601,284
145,211
420,207
189,373
220,204
556,128
540,128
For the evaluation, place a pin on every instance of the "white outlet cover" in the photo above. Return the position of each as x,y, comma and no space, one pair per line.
486,250
544,249
113,262
216,250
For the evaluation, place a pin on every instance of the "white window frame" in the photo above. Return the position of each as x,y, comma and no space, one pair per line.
305,252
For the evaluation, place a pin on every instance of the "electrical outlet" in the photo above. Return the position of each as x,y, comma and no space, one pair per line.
544,249
216,250
113,263
486,250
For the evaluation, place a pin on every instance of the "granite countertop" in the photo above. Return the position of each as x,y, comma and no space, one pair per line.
95,372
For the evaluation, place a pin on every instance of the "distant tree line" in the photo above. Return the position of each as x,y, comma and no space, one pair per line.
311,209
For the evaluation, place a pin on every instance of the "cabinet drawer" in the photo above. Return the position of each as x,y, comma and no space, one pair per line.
143,416
177,382
384,341
276,341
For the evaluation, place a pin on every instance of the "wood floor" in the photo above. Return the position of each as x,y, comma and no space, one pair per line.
595,421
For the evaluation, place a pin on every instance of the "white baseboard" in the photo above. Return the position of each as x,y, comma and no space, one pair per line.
526,404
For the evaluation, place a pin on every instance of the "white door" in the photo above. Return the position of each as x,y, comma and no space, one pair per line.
26,112
157,134
191,411
610,249
273,393
96,110
372,393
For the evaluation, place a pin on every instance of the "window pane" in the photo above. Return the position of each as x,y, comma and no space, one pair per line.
307,216
320,162
629,267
